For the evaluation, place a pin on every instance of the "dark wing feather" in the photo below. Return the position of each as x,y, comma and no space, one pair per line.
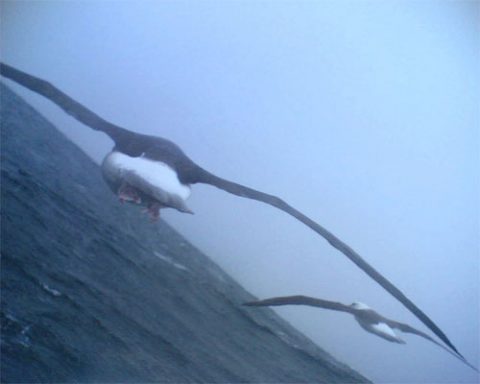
65,102
409,329
134,144
250,193
300,300
170,154
128,142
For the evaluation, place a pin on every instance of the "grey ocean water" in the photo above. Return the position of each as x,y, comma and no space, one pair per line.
92,292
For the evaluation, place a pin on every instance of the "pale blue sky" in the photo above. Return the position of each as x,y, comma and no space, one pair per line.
363,115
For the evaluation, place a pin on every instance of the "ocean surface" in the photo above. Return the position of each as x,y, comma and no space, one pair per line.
91,291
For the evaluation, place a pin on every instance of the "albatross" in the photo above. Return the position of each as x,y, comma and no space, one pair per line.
155,172
370,320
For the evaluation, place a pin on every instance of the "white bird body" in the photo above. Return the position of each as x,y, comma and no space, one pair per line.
148,180
369,321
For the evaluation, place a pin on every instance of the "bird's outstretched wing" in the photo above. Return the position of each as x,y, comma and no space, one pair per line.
70,106
409,329
300,300
135,144
335,242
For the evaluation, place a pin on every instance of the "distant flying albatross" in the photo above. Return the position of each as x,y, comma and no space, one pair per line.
155,172
366,317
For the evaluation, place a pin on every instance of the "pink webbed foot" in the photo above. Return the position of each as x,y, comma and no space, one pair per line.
153,211
128,193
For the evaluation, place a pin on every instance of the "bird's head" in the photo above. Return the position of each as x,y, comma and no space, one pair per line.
360,306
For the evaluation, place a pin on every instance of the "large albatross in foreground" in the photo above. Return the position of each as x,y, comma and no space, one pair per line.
366,317
155,172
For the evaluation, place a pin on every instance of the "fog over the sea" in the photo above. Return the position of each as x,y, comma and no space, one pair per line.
362,115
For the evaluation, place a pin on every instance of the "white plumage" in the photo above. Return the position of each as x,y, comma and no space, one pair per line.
382,328
359,305
150,177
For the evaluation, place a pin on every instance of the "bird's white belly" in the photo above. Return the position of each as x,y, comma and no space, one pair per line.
155,173
382,328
